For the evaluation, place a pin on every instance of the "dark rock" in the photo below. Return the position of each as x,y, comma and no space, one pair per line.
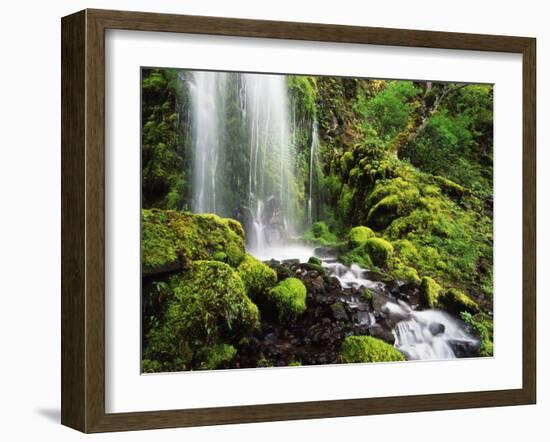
436,328
339,311
381,332
326,252
374,275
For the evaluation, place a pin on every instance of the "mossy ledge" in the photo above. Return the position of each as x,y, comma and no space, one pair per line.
172,239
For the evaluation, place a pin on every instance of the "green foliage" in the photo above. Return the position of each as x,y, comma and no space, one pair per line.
319,233
358,235
207,305
483,324
288,298
357,256
403,272
163,140
368,349
215,356
257,277
457,302
379,250
389,200
429,292
169,236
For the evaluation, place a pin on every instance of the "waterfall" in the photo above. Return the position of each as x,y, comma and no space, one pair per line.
244,155
207,92
312,152
270,196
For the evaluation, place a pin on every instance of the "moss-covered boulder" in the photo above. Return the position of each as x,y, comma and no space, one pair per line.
320,234
404,273
207,306
357,256
389,200
449,187
429,292
172,239
456,302
368,349
288,299
257,277
482,325
379,250
358,235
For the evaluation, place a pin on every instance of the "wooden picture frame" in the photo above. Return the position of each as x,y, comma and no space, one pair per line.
83,220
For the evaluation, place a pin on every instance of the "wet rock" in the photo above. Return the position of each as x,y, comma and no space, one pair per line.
436,328
381,332
374,275
291,261
325,252
339,311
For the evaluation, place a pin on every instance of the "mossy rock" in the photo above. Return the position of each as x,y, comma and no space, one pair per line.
357,256
216,356
358,235
379,250
456,302
429,292
314,260
320,234
368,349
449,187
405,273
390,200
172,239
207,306
288,299
257,277
483,325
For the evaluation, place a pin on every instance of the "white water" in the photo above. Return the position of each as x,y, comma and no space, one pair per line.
265,112
207,91
425,334
312,154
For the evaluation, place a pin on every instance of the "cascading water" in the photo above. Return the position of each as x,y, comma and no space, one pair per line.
207,91
265,112
425,334
312,158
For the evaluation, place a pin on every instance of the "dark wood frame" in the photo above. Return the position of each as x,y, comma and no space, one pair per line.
83,216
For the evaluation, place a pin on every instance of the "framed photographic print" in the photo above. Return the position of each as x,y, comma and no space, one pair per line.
267,220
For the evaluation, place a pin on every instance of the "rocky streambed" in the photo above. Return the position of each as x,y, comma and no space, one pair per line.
347,301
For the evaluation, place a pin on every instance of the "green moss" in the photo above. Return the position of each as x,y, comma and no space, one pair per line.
216,355
368,349
404,272
456,302
319,233
295,364
288,298
390,200
314,260
257,277
429,292
358,235
159,250
171,237
357,256
379,250
483,324
366,295
449,187
207,304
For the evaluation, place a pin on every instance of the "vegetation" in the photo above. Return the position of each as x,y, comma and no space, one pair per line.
368,349
288,298
403,179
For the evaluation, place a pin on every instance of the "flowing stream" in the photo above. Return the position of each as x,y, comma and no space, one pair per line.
422,334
